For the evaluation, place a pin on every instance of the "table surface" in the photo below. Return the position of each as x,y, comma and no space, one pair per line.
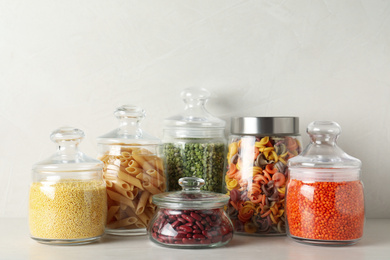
16,244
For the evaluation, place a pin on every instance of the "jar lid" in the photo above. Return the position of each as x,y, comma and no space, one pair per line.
191,197
323,152
265,125
129,130
196,120
68,157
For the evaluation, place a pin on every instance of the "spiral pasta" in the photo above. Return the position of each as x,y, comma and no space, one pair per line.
255,180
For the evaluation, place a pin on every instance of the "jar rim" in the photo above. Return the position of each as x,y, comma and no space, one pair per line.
253,125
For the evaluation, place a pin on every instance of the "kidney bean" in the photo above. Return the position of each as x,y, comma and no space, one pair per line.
199,225
182,220
175,224
188,218
182,233
225,230
195,216
185,228
198,236
187,241
188,227
172,218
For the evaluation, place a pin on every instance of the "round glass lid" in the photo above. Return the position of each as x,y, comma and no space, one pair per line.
129,130
195,114
191,197
68,156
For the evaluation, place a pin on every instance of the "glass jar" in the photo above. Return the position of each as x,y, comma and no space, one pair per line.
191,218
325,200
256,176
133,172
194,143
67,202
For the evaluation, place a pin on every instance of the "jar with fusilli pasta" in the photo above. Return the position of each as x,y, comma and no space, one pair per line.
256,172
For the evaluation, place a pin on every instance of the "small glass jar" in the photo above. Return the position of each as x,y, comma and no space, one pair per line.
191,218
194,143
325,199
67,202
133,172
256,176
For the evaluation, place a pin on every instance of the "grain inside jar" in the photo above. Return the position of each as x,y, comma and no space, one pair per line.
70,209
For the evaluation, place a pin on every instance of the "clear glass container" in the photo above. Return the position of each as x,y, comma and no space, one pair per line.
256,176
133,172
194,143
325,198
191,218
68,201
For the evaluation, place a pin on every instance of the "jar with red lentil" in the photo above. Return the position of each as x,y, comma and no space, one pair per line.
325,200
68,201
191,218
256,176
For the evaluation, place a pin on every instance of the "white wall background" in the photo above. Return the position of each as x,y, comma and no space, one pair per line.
74,62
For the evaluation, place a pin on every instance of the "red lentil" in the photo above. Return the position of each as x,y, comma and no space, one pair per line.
325,210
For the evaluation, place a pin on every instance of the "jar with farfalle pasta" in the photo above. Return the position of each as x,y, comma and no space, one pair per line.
256,172
133,172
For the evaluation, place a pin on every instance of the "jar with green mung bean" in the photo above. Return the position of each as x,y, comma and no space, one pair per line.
194,143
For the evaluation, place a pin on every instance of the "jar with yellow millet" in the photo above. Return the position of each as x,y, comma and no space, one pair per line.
68,201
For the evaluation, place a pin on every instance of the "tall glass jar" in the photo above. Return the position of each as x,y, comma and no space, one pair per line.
256,176
67,203
133,172
325,199
194,143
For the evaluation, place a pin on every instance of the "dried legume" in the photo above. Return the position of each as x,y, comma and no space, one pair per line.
67,210
191,227
325,210
202,160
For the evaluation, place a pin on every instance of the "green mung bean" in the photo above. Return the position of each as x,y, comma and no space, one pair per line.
200,159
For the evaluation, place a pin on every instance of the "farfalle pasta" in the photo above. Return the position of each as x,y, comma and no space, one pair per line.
256,179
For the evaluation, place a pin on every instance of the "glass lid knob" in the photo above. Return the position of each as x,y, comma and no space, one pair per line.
67,134
129,111
323,131
194,95
191,183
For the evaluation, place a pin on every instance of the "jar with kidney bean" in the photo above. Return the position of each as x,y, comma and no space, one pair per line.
256,176
325,198
191,218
